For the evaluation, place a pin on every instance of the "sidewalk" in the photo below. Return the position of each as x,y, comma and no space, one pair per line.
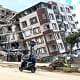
18,63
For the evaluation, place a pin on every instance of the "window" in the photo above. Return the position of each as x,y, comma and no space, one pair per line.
2,11
44,16
49,6
58,36
66,26
49,37
54,26
58,16
51,16
13,13
33,20
36,30
52,48
70,18
2,16
74,26
27,33
68,10
7,13
41,50
46,27
62,9
61,46
9,28
63,18
24,24
39,40
55,9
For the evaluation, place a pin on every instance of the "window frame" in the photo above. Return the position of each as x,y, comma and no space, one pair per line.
35,32
32,20
24,24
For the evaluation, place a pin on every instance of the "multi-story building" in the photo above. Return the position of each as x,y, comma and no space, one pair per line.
5,26
10,35
47,24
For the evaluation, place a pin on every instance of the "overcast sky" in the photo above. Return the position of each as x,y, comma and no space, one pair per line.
19,5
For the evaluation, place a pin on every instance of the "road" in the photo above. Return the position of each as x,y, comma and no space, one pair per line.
15,74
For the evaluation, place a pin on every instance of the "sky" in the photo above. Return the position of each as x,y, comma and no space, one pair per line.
19,5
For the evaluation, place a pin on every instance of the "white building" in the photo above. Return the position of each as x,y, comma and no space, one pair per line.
47,24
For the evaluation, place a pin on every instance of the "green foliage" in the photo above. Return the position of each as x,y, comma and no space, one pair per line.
72,39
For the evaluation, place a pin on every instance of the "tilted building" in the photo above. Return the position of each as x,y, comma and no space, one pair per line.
48,24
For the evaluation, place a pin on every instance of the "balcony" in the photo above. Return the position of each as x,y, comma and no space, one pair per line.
3,39
51,42
58,18
56,11
47,31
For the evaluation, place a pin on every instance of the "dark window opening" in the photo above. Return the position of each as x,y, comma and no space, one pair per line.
24,24
2,11
62,9
51,16
48,26
63,18
9,28
49,6
2,16
36,30
70,18
16,45
13,13
33,20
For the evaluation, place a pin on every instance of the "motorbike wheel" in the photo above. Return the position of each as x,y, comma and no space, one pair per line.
20,69
33,70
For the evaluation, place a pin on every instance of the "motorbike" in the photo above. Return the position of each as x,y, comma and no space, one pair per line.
28,66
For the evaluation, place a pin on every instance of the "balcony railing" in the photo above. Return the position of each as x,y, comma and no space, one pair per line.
47,31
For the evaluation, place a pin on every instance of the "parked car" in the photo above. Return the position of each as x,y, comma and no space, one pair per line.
57,63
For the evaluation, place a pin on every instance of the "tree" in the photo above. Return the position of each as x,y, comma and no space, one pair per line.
72,39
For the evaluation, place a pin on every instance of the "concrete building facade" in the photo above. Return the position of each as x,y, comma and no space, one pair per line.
48,24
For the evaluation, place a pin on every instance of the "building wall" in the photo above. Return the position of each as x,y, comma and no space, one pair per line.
47,25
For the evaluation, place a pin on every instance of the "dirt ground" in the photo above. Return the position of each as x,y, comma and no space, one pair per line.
15,74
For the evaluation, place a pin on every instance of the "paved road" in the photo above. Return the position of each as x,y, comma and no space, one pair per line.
14,74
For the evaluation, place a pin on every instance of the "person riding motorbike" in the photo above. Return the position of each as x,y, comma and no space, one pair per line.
28,58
